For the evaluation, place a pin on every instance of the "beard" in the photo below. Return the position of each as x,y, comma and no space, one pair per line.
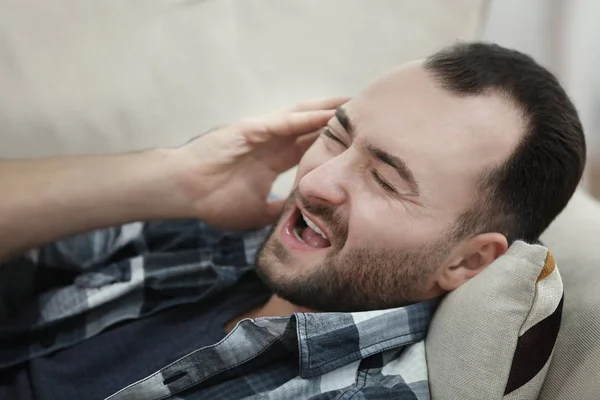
360,279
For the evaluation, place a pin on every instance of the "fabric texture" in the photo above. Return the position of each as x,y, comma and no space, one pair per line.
367,355
139,269
493,338
132,350
574,238
116,274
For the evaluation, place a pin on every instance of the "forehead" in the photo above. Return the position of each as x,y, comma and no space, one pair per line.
446,140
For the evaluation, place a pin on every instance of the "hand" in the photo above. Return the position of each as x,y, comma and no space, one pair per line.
231,170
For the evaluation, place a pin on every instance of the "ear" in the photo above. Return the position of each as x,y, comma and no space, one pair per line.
470,258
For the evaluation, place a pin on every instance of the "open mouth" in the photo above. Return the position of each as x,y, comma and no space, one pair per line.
306,232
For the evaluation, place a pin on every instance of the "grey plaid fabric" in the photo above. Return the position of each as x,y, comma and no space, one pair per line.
78,287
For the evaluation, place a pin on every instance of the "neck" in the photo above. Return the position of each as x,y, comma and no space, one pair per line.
274,307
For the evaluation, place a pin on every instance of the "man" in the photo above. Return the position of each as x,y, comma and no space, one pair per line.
402,194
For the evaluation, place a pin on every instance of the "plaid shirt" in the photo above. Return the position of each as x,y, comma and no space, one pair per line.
74,289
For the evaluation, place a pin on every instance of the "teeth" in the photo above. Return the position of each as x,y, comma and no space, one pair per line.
314,227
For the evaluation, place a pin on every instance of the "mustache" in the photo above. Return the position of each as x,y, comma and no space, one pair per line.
330,215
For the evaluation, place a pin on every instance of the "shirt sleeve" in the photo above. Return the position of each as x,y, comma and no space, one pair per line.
57,264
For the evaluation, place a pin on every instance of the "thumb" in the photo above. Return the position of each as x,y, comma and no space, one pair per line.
268,214
274,208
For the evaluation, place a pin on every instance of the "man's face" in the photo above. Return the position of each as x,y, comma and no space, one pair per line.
384,183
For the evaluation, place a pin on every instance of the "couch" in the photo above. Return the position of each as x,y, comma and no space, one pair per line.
574,238
82,76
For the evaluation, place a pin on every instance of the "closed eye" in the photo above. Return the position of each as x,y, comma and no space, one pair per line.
386,186
327,133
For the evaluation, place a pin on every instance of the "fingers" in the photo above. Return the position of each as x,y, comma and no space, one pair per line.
321,104
304,142
289,125
274,208
292,158
330,103
303,118
269,214
298,123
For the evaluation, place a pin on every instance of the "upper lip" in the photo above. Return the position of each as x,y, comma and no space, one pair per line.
317,222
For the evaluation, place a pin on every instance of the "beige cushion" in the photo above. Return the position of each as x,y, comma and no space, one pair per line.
575,239
493,337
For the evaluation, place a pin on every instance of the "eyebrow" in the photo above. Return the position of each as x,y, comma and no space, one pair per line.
382,155
399,165
342,117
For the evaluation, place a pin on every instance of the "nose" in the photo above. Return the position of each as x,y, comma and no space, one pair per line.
325,183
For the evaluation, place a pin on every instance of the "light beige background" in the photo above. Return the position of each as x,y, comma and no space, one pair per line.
113,75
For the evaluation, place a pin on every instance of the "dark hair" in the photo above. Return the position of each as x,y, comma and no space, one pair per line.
523,195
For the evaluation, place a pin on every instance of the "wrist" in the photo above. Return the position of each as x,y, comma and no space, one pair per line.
165,195
191,180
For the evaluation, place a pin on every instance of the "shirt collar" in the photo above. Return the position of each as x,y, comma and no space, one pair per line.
327,341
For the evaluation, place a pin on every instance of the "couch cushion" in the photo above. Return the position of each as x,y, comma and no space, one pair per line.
493,337
575,239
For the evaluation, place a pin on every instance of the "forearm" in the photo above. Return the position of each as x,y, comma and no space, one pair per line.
48,199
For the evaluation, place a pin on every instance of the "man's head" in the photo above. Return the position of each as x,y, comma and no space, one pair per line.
424,179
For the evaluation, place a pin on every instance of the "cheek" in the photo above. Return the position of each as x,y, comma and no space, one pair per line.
368,222
376,223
